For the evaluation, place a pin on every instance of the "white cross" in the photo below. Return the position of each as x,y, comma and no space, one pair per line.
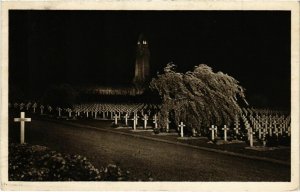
167,128
34,106
225,132
50,108
236,130
259,132
251,136
212,132
116,118
155,121
264,136
145,121
59,111
28,105
126,119
288,131
21,106
135,119
276,132
42,109
22,121
181,128
69,111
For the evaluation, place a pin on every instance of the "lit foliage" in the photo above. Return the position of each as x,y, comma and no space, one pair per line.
39,163
199,98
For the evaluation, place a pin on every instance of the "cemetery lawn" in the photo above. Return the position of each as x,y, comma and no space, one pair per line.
146,158
281,153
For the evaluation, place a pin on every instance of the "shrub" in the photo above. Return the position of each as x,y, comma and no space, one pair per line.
38,163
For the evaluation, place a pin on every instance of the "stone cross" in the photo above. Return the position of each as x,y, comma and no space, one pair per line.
42,109
270,131
236,130
59,111
145,120
225,132
155,121
126,119
22,121
116,118
288,131
69,111
260,132
34,106
250,132
264,136
22,106
212,132
167,127
181,128
28,105
276,132
49,108
280,130
135,119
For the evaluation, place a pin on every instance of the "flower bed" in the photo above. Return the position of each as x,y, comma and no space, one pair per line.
39,163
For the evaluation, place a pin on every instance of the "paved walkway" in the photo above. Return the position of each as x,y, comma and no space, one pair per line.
144,157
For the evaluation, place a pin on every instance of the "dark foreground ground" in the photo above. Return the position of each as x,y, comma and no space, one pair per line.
162,161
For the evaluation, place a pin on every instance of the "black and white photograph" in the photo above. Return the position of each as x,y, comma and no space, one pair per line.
147,95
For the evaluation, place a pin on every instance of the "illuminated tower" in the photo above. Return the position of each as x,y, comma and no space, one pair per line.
142,71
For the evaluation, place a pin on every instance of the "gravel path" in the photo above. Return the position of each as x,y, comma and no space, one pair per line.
144,158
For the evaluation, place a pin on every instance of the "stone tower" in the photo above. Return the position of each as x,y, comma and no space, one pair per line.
142,68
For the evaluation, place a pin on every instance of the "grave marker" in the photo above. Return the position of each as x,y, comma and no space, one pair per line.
42,109
167,127
59,111
69,111
135,119
34,106
264,136
145,120
251,136
116,118
22,121
126,119
212,132
181,128
155,121
225,132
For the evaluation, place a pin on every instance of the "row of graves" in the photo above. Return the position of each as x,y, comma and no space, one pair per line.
261,127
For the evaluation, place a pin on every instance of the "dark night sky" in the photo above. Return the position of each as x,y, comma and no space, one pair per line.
98,47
